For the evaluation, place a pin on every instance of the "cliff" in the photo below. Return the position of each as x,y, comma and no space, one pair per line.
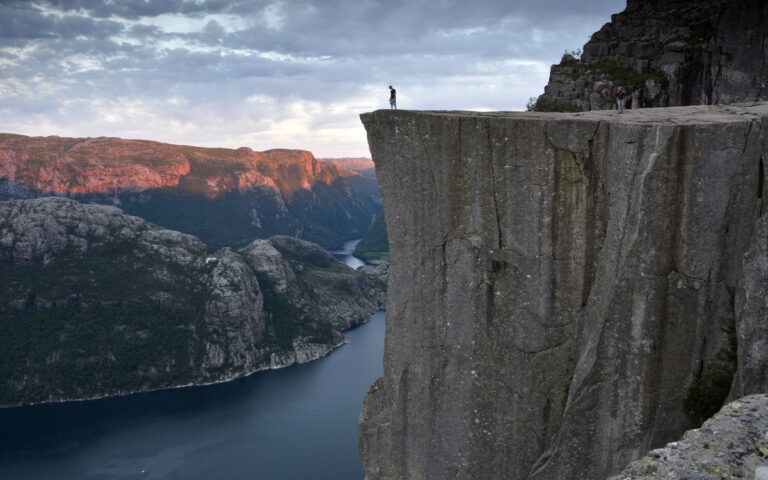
567,291
79,166
94,302
668,53
223,196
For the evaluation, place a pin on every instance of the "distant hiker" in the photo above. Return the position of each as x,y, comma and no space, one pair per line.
602,99
620,98
392,98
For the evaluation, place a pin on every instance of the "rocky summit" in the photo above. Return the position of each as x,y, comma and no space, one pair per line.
566,291
94,302
225,197
668,53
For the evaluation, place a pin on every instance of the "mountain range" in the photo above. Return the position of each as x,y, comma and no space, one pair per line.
226,197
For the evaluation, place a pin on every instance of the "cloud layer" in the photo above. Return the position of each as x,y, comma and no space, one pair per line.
269,74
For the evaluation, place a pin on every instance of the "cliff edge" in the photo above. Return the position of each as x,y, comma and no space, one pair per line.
567,291
732,444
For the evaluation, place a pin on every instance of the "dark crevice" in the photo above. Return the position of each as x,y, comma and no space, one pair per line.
746,137
760,181
591,222
679,142
499,235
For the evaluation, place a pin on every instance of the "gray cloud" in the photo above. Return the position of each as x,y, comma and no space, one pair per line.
234,73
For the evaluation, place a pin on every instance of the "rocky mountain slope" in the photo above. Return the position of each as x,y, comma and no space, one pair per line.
567,291
94,302
225,197
668,53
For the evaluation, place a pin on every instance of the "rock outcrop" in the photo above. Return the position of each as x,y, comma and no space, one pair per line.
314,285
225,197
733,444
94,302
668,53
567,291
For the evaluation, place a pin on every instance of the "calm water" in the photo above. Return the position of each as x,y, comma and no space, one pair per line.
345,254
295,423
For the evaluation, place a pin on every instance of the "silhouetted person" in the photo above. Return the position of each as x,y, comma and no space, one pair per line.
392,98
620,99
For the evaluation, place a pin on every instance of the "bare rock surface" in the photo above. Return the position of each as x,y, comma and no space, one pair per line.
669,53
566,291
733,444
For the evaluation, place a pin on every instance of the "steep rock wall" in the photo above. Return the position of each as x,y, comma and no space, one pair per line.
78,166
560,284
668,53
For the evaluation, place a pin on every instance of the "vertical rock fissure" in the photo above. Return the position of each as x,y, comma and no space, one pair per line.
495,175
760,185
746,136
591,244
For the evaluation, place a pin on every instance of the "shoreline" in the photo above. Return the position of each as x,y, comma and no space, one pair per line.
263,366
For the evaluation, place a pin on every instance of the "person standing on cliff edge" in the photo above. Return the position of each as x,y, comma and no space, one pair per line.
392,98
620,99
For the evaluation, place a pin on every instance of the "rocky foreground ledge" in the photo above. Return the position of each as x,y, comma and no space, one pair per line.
733,444
567,291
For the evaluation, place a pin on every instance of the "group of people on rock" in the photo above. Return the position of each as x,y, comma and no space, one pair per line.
620,94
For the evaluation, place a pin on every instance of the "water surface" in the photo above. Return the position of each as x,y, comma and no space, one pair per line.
295,423
345,254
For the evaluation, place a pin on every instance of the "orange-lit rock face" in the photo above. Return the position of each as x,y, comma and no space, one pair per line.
105,165
357,164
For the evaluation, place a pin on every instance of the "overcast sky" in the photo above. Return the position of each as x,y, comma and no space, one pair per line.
272,74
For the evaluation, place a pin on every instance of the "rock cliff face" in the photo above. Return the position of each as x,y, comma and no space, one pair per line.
668,53
94,302
111,165
567,291
225,197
